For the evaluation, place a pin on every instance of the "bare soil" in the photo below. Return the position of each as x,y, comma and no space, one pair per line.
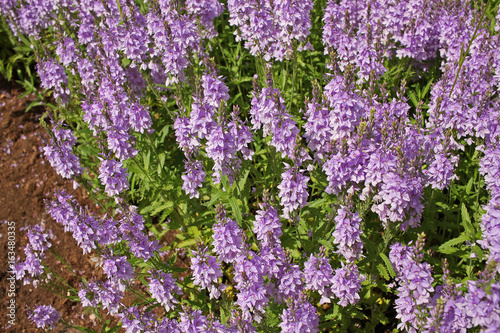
26,180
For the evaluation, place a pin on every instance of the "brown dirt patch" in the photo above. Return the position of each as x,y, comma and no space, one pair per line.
27,179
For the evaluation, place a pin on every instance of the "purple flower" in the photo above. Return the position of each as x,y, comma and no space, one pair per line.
38,239
131,227
32,266
293,190
118,143
252,299
270,28
415,284
206,272
249,278
299,317
59,153
441,171
207,10
201,121
397,197
105,293
483,308
39,242
317,129
113,176
274,260
194,178
227,238
345,169
269,112
291,282
87,229
241,134
183,134
218,150
44,315
267,225
347,284
214,90
118,268
134,320
192,321
67,52
348,234
167,326
54,77
162,287
318,275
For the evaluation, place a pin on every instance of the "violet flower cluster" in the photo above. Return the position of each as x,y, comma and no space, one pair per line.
269,112
158,45
271,29
206,272
269,275
163,288
208,126
59,153
415,285
348,234
363,34
44,316
31,269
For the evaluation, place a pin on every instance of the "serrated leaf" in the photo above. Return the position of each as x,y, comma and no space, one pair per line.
216,198
450,250
388,265
243,180
452,242
147,158
468,188
187,243
426,88
317,203
478,252
233,202
383,272
223,316
194,231
466,222
326,244
413,99
168,206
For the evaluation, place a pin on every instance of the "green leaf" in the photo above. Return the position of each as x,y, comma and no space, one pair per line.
168,206
383,272
83,329
242,181
327,244
317,203
187,243
233,202
413,99
426,89
218,196
466,222
147,159
223,316
388,264
468,188
452,242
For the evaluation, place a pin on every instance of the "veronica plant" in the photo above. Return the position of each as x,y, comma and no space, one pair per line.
328,166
